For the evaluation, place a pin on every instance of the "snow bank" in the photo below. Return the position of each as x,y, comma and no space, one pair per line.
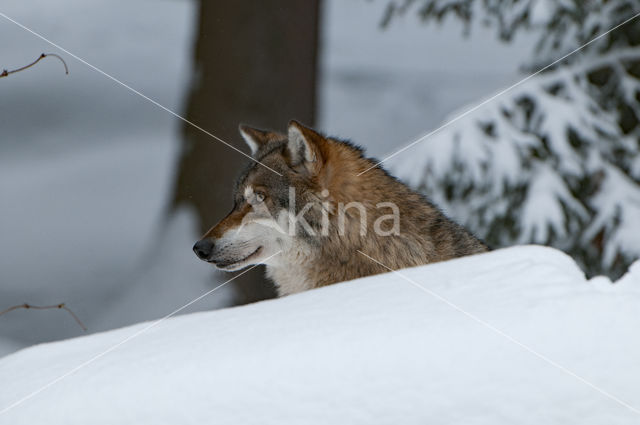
375,350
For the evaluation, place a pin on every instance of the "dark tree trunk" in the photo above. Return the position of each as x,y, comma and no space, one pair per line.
255,62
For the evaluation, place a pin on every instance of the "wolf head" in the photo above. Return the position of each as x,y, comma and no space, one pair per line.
308,204
277,201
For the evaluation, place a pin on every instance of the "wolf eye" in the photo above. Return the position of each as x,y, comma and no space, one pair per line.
259,197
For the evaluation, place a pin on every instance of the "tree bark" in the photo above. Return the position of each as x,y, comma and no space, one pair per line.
255,62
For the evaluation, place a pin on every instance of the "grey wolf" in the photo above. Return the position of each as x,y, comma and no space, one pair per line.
316,212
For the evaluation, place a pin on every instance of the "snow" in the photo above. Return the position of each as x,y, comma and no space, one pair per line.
619,198
543,207
375,350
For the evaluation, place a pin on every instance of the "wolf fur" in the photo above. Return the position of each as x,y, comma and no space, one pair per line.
341,210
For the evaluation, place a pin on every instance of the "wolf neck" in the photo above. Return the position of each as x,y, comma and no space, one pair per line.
309,269
292,275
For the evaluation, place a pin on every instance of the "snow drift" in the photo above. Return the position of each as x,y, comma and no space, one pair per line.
375,350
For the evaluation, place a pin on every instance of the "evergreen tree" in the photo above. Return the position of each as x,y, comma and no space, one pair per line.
556,159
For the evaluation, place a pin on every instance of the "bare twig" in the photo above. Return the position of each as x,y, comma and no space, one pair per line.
45,307
6,73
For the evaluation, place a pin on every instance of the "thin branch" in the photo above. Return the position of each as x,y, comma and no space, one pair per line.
46,307
6,73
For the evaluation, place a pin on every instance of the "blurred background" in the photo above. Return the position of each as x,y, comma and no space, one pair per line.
103,193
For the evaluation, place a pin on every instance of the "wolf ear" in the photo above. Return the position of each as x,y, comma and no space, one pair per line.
254,137
304,146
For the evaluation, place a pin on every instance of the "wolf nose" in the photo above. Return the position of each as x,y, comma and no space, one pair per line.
203,249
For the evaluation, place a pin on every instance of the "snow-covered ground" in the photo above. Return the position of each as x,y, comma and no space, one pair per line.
521,338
